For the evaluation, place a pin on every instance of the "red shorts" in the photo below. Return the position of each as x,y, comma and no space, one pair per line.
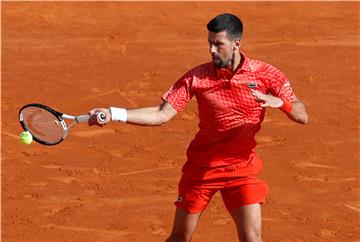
199,184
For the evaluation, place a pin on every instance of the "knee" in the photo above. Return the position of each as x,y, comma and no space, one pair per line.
252,236
178,238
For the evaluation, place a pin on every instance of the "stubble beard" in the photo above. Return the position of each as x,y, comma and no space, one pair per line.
220,63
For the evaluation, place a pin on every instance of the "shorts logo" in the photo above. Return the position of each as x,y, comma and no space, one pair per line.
252,85
180,199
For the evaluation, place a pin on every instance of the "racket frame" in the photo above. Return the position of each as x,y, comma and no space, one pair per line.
60,117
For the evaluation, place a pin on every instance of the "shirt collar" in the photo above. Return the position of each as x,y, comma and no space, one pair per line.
245,63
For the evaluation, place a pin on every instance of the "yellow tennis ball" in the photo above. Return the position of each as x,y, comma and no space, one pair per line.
26,138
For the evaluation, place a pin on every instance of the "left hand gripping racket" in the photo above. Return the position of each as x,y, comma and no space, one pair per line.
47,126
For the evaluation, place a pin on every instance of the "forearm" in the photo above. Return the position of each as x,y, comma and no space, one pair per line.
298,113
294,110
149,116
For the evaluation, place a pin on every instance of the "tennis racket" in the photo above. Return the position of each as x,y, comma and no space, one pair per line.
48,126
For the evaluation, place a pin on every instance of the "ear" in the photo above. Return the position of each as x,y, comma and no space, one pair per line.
237,44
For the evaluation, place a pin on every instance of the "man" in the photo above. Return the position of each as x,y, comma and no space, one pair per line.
232,93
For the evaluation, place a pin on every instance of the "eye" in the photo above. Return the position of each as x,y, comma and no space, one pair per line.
215,43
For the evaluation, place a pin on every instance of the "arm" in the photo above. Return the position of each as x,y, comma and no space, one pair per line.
297,113
148,116
151,115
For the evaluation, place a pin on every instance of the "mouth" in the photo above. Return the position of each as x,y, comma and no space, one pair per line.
216,59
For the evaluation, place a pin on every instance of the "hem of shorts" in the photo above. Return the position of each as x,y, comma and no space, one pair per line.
191,211
261,202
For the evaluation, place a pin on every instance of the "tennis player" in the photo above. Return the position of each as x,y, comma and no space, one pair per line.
232,92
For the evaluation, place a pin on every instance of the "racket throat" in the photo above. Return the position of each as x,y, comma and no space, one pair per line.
63,124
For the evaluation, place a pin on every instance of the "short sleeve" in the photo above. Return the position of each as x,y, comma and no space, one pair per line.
279,84
180,93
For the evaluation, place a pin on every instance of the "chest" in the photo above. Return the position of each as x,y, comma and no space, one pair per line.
229,92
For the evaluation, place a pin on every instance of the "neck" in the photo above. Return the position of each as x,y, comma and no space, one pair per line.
235,61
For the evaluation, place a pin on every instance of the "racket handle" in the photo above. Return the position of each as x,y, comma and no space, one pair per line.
101,117
85,118
81,118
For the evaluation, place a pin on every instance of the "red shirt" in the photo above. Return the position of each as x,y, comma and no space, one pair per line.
229,114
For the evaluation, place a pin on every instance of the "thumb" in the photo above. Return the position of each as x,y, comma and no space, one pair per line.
92,112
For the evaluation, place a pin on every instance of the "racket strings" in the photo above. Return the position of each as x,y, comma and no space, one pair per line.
43,124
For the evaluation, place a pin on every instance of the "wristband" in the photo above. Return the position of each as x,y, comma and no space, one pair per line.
287,106
118,114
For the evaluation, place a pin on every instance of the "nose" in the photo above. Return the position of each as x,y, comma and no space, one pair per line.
212,49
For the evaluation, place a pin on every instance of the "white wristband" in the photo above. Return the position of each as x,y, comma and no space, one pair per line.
118,114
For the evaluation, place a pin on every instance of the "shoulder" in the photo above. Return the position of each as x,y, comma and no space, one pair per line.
195,75
262,68
268,74
202,71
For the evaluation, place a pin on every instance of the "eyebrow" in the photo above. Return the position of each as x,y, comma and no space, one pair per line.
215,42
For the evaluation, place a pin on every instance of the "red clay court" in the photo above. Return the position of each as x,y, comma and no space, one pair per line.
119,182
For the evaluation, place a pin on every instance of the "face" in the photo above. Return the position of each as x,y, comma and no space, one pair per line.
222,48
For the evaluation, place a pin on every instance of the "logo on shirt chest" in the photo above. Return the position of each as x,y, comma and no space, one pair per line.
252,85
245,84
249,81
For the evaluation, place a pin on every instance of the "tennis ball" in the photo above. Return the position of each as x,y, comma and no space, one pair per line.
26,138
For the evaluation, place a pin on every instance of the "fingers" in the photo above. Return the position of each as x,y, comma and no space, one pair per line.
269,100
259,95
94,116
96,110
94,120
91,112
262,98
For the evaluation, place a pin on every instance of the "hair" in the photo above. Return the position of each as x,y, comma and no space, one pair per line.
226,22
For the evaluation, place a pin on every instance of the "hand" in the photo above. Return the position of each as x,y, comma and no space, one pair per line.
94,120
269,100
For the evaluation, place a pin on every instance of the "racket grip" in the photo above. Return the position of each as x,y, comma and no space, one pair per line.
81,118
101,117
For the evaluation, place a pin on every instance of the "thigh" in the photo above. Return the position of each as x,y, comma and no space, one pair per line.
248,222
194,195
244,191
